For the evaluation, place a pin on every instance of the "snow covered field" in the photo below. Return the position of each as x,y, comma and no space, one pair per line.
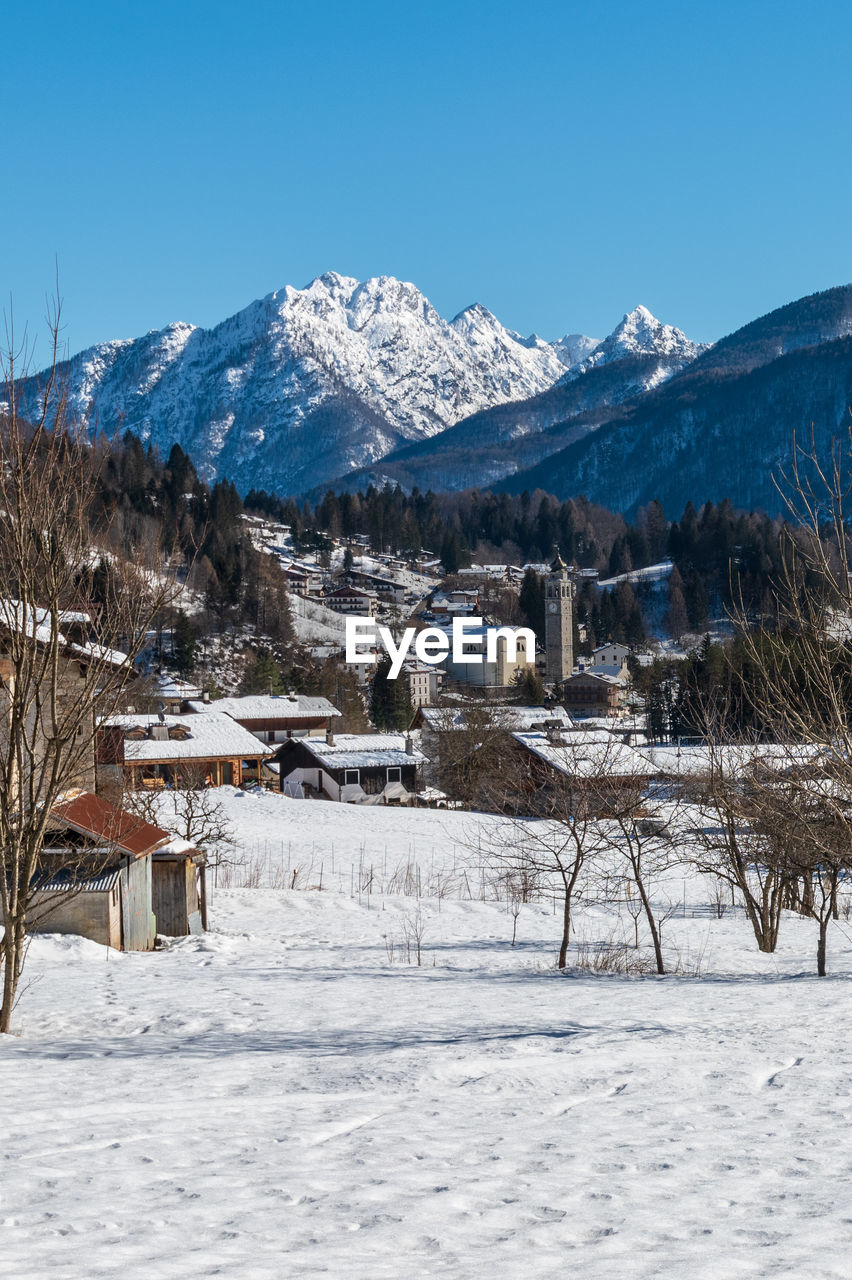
288,1097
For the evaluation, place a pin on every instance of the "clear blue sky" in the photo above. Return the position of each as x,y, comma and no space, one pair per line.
558,162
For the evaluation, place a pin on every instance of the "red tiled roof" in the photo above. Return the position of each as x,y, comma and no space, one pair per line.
93,816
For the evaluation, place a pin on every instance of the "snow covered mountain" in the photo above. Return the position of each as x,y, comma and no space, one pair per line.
639,333
307,384
484,448
314,385
574,347
722,427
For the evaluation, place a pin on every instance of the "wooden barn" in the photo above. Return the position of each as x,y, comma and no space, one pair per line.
109,876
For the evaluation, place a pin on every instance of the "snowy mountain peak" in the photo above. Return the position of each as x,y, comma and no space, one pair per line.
640,332
306,384
574,348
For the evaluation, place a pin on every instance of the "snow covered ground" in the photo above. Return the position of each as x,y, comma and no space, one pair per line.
287,1096
315,624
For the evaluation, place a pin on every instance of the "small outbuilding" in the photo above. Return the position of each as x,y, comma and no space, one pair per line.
109,876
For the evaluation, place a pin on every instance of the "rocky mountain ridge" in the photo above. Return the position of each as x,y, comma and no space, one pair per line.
308,385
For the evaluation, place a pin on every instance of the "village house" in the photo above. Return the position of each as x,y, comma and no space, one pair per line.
424,683
360,768
352,600
611,655
166,751
75,653
302,579
275,717
462,604
385,590
118,880
593,693
561,768
438,726
174,693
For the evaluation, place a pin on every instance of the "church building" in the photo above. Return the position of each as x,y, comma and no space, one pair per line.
558,621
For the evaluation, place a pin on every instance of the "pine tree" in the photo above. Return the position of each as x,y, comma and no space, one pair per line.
676,617
183,643
530,688
263,675
390,700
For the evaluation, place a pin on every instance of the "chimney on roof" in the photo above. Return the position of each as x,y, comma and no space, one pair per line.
205,697
329,738
409,745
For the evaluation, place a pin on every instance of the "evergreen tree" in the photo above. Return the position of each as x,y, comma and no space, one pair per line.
676,617
183,643
390,700
695,598
530,688
262,675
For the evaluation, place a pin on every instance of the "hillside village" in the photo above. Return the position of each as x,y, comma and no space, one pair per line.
414,939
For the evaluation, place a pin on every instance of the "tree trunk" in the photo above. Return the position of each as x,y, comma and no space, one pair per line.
566,930
13,950
821,945
807,907
652,924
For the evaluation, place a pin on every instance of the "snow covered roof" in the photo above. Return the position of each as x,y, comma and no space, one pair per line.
362,750
346,593
270,706
207,737
608,669
112,657
93,816
588,755
36,623
596,673
171,687
509,718
735,760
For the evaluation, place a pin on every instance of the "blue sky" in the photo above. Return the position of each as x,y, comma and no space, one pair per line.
559,163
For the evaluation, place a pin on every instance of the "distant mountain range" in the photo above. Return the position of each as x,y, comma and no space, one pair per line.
722,427
343,383
309,385
675,423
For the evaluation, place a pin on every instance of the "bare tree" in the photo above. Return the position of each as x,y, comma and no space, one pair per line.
731,844
194,812
54,535
640,831
784,823
557,794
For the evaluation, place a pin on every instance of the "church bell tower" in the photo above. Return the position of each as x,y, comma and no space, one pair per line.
558,621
